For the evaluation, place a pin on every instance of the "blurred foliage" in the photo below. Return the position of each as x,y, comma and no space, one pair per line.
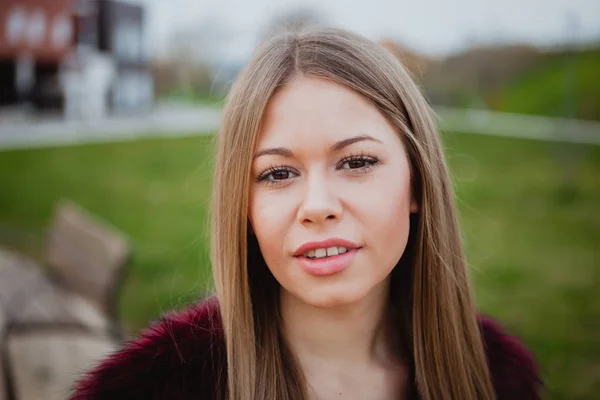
512,78
545,89
459,78
417,64
533,254
185,80
186,94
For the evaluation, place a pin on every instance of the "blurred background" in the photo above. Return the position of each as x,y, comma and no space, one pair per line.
108,111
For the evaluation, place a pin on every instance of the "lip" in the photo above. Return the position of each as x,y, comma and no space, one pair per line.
325,244
327,265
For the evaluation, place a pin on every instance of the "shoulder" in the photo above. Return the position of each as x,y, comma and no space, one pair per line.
180,356
513,369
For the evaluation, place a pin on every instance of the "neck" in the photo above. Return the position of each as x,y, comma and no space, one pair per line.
359,332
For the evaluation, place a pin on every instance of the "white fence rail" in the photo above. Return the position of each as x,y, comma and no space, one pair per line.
519,125
175,121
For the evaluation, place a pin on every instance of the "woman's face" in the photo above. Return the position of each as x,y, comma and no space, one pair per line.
330,197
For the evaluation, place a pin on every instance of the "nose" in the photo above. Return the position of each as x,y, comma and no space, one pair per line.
319,202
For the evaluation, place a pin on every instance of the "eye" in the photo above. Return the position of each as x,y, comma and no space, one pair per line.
276,175
358,162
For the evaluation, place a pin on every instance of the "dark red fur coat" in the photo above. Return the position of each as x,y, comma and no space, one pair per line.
182,357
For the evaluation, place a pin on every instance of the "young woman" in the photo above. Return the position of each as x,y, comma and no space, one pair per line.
336,251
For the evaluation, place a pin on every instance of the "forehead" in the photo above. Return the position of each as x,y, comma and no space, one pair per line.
314,110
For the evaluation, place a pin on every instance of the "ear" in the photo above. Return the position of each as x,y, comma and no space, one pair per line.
414,206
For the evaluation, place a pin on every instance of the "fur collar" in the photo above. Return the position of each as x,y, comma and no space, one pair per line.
182,357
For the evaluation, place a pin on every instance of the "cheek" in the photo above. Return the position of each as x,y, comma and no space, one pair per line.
270,218
388,220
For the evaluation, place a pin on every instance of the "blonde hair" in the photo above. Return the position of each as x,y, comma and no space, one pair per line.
430,287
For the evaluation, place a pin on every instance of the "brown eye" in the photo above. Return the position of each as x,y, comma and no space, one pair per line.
353,164
358,162
275,175
281,174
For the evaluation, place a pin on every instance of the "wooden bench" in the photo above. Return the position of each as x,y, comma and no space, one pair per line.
58,319
88,257
29,298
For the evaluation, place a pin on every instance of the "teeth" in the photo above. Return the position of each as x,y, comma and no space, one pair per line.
320,253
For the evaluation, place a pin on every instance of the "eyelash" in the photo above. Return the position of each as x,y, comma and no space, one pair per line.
371,160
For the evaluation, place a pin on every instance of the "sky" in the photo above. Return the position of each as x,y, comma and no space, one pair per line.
433,27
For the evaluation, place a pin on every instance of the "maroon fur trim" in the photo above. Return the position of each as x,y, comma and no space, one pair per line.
182,357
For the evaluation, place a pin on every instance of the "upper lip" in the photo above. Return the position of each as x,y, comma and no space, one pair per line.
325,244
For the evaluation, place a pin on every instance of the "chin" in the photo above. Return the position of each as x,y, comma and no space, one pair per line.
331,297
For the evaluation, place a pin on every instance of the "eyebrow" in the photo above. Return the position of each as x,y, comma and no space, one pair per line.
285,152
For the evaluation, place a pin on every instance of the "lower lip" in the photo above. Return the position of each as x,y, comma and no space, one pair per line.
327,265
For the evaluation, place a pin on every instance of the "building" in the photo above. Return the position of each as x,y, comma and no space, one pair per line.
81,56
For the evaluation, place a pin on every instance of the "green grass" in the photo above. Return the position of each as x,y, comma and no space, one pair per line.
157,191
531,234
565,86
533,237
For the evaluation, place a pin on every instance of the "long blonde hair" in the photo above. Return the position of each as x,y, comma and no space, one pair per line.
430,287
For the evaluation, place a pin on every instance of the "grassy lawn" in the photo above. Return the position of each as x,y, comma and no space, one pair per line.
156,191
532,236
